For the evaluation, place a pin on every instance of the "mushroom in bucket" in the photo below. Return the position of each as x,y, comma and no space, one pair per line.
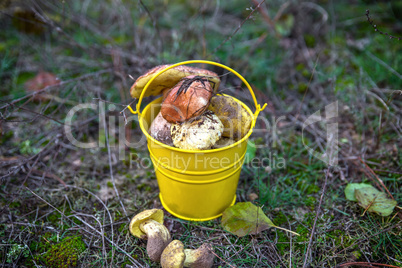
193,116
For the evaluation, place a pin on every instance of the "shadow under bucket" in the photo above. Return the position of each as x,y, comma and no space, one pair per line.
195,185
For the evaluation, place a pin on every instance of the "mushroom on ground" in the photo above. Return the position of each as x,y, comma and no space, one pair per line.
198,134
187,99
173,255
201,257
160,130
149,225
168,79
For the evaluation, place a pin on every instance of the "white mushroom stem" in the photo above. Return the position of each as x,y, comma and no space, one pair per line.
202,257
158,238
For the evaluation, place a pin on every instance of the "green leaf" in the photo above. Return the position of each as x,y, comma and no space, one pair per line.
351,187
245,218
376,201
250,153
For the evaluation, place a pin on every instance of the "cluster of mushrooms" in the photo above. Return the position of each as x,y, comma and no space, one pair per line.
160,247
193,116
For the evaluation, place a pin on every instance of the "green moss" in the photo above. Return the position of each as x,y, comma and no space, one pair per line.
144,187
302,87
109,184
15,204
123,228
356,254
310,201
282,245
65,253
6,136
306,186
2,230
54,217
281,219
310,40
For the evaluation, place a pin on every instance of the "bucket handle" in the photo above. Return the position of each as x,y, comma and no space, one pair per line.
258,107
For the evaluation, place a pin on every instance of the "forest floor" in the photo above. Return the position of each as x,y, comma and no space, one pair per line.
73,173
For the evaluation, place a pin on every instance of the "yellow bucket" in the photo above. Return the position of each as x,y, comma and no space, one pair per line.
195,185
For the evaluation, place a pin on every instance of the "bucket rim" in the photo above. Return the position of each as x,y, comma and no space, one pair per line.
245,138
258,107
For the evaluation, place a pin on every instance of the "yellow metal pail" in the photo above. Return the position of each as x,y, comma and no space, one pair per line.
196,185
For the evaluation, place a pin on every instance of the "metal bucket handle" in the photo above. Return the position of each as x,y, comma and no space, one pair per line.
258,107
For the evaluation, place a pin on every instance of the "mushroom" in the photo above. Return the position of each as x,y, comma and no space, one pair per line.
149,225
168,79
223,142
187,99
160,130
173,255
234,117
198,134
201,257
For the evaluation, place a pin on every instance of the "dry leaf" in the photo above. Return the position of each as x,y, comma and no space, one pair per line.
375,201
245,218
40,81
351,187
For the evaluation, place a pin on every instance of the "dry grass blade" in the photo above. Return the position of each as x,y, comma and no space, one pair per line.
378,179
89,226
49,175
367,264
369,237
305,264
110,161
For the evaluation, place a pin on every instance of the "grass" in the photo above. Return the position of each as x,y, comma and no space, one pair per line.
329,53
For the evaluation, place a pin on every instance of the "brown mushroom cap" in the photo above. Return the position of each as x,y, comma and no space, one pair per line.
187,99
202,257
151,214
168,79
173,255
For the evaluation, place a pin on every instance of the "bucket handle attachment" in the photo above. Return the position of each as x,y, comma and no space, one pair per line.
258,107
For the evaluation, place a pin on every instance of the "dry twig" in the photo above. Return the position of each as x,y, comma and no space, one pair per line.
376,29
237,29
